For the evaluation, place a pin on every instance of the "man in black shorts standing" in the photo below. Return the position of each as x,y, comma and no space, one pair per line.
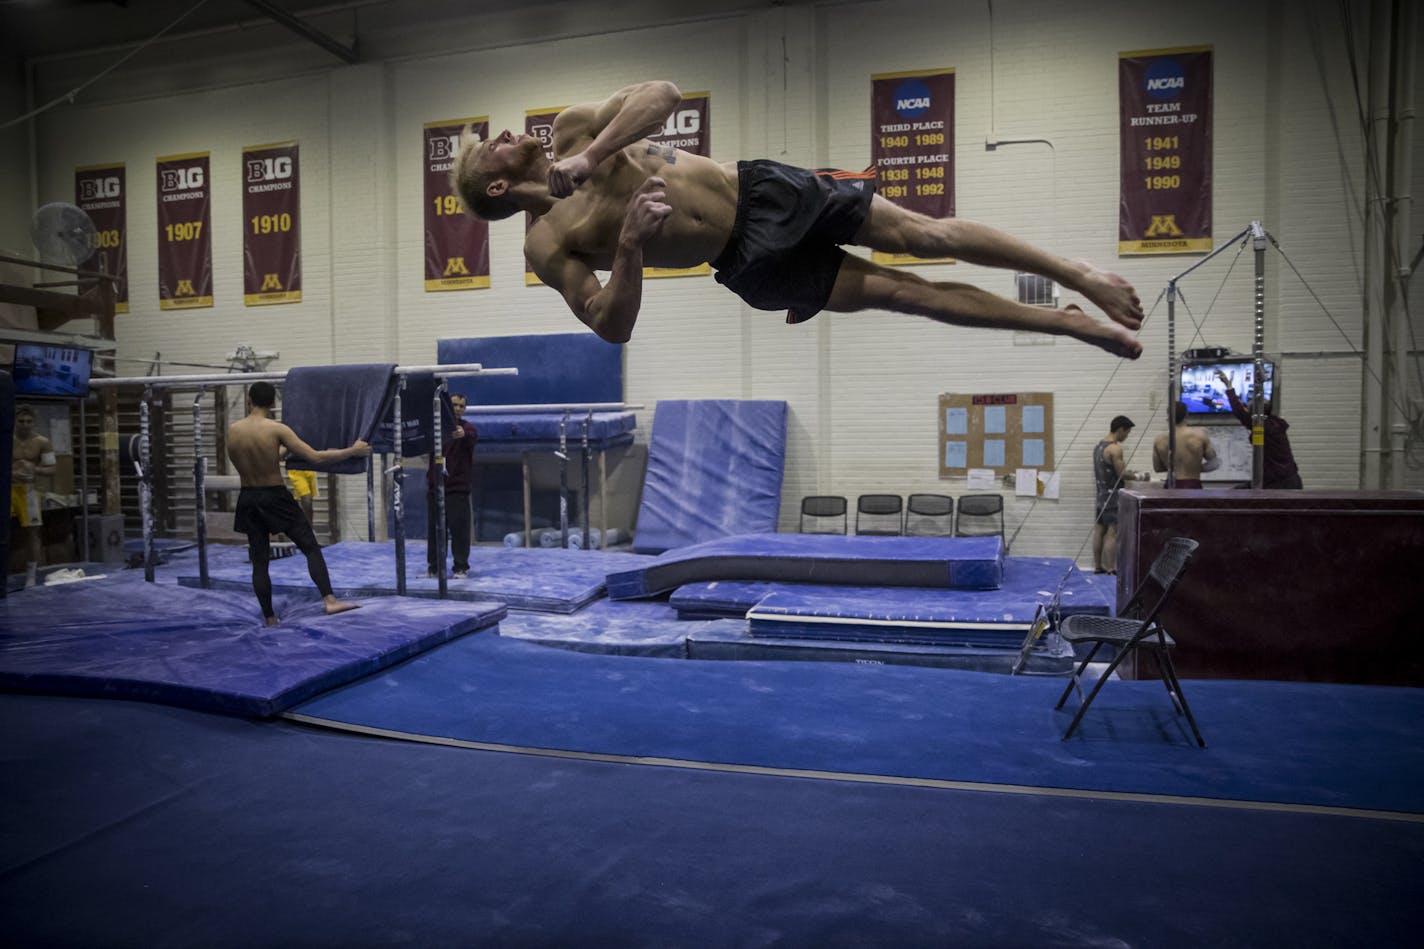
615,201
265,506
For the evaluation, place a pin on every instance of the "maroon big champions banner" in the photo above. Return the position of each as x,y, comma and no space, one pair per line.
102,192
912,144
271,225
687,129
185,243
1164,98
456,245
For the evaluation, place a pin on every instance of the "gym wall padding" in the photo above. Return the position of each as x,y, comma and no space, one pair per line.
714,470
554,367
333,406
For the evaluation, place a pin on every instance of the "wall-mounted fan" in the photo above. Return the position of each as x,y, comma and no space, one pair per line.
63,234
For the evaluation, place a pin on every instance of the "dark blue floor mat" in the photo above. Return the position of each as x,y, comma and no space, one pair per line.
208,649
559,581
127,824
1343,746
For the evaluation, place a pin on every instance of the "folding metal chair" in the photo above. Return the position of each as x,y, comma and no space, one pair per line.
1134,630
929,515
879,514
821,508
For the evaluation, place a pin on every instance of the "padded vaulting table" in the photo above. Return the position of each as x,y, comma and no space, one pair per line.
1318,586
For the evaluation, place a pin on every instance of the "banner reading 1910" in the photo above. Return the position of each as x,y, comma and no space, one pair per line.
271,225
185,243
912,145
101,192
1165,106
456,245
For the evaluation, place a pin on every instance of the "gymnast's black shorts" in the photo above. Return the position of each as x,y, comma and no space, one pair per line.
784,251
267,511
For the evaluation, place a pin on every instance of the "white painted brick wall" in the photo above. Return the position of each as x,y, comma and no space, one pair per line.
793,83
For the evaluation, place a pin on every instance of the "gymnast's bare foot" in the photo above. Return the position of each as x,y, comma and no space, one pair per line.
333,605
1113,294
1114,339
271,621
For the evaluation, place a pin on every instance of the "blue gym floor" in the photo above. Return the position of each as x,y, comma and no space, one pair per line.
471,786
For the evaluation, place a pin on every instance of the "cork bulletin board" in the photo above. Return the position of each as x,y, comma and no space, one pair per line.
1002,432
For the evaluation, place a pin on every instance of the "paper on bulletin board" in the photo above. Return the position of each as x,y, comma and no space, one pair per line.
1026,483
1048,485
981,479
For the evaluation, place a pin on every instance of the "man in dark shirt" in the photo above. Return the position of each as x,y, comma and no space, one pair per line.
1281,471
459,448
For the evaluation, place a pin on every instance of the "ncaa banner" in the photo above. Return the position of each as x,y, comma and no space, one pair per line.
271,225
1164,101
456,245
912,145
101,191
688,129
185,247
540,124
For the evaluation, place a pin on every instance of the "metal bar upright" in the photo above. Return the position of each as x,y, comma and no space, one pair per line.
1172,383
145,483
200,507
1258,345
397,488
587,492
441,537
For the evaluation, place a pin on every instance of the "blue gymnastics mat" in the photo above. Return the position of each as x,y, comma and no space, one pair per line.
714,470
553,367
630,628
970,563
542,428
1027,581
559,581
207,649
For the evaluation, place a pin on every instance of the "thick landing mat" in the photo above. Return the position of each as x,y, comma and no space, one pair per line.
992,618
714,469
559,581
967,563
1296,743
207,649
730,640
1027,581
642,628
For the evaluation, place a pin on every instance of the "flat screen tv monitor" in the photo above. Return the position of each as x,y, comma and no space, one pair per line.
1204,394
51,371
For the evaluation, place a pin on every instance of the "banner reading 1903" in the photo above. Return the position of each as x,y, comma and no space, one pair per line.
456,245
912,145
271,225
101,191
1165,165
185,244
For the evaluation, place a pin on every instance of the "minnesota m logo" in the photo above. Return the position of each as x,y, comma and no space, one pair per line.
1163,225
455,266
185,289
270,282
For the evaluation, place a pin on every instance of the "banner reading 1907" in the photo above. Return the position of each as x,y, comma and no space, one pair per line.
101,192
185,243
1165,107
271,225
912,144
456,245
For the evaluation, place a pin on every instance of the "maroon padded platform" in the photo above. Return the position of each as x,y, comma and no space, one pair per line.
1318,586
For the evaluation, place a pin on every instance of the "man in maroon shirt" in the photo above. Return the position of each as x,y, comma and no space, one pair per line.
459,446
1279,463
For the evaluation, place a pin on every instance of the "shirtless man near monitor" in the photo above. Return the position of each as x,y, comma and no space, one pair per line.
265,506
1195,453
613,201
